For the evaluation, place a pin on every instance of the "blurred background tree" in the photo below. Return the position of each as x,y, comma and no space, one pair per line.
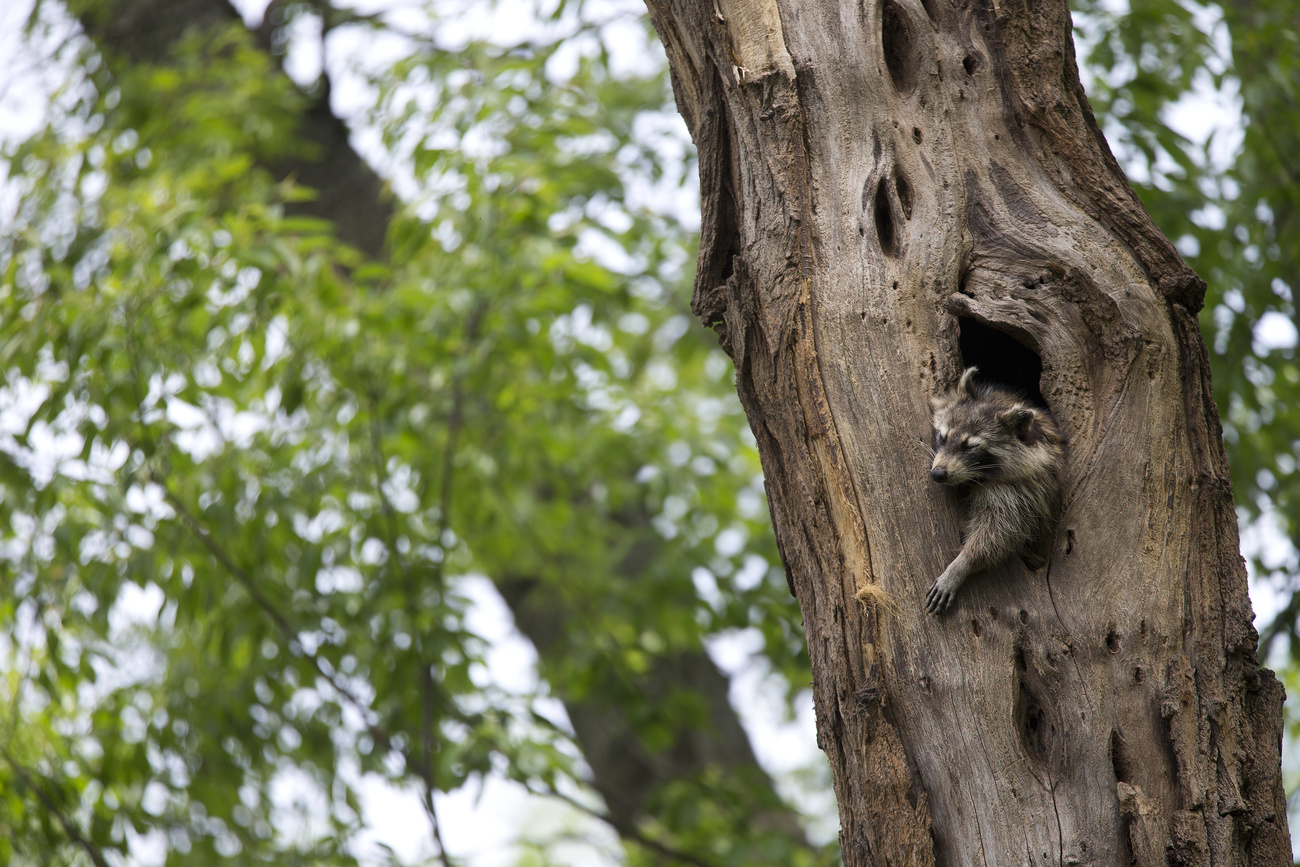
329,329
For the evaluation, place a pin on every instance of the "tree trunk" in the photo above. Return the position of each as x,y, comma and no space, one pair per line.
892,190
625,771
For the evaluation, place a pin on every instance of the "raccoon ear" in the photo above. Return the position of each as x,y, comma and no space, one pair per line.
964,384
1017,419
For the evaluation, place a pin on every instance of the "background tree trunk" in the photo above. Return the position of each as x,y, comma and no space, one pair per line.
895,189
625,771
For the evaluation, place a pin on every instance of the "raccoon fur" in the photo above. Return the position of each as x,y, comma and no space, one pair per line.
1006,460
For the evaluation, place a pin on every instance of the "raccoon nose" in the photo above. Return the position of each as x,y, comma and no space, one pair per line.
939,474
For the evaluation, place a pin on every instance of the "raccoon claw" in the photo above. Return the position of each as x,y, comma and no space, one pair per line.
939,597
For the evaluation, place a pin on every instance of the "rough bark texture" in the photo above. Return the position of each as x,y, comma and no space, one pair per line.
893,189
625,771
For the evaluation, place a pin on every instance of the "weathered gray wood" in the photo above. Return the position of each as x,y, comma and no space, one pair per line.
871,173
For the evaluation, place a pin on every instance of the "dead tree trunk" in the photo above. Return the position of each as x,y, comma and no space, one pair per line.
893,189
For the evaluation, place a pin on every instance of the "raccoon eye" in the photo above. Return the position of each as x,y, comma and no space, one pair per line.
965,445
941,438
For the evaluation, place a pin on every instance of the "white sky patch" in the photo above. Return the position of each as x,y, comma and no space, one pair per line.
135,606
28,79
511,660
784,747
1273,331
483,823
1210,113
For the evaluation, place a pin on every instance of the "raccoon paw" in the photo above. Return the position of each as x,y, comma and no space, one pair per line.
941,594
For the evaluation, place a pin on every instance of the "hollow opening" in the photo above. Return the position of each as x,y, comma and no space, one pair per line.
896,40
884,220
1001,359
904,195
1034,728
970,63
1119,760
1035,725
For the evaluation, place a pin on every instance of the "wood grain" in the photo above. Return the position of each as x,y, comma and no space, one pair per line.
930,162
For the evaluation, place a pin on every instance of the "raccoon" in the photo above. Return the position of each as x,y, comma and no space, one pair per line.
1007,461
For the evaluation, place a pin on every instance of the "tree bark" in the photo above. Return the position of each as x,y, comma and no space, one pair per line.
894,189
625,771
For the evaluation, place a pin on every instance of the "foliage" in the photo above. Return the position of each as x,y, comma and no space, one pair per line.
278,462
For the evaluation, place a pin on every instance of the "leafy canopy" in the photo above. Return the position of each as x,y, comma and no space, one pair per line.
248,472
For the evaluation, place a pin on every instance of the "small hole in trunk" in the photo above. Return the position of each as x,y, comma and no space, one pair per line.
896,39
884,219
904,195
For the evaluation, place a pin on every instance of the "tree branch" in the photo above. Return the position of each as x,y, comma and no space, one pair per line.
624,829
272,612
69,827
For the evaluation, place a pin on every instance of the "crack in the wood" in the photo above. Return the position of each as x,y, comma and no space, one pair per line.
1047,578
974,809
1060,836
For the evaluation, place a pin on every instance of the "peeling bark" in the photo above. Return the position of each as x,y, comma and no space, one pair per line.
909,187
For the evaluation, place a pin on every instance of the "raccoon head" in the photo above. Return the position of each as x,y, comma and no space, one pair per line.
977,431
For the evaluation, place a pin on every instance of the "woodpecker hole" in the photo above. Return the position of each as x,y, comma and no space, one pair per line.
884,220
896,40
904,195
1119,759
